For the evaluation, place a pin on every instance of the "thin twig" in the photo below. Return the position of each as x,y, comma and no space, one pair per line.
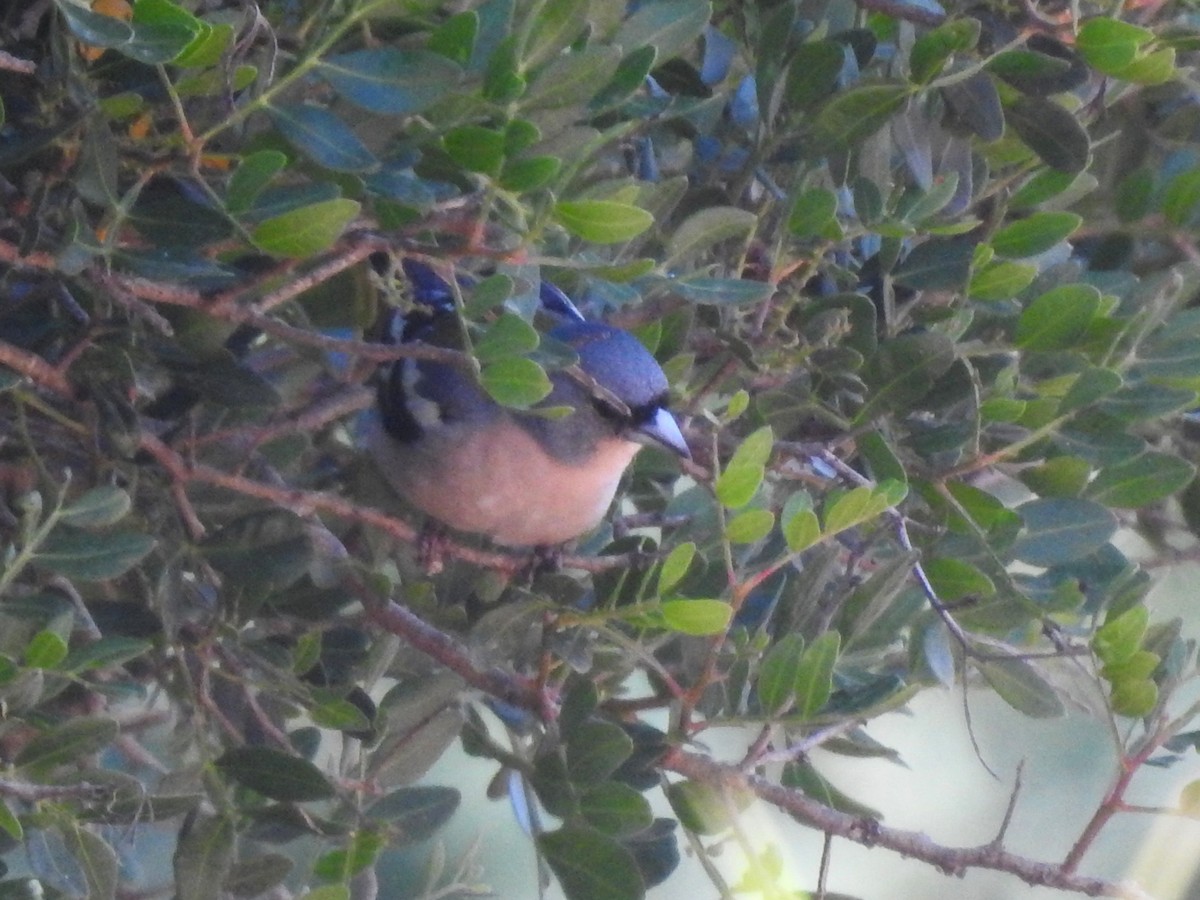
871,833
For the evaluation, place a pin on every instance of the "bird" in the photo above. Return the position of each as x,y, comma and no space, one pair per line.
519,478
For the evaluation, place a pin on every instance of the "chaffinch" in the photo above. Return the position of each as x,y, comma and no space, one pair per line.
519,478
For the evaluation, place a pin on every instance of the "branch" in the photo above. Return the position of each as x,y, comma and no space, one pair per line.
913,844
305,503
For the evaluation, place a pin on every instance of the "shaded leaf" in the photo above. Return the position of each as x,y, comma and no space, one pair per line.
615,809
595,750
1051,132
93,557
858,113
1020,686
275,774
203,858
1062,529
590,865
67,743
778,673
390,81
814,675
1140,481
323,137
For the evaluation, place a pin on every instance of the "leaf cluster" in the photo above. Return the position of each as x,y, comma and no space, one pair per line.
922,280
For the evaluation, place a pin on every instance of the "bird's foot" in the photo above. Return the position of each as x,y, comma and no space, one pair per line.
431,548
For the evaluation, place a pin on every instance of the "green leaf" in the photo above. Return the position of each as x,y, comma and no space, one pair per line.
100,506
1158,67
306,231
1061,530
629,76
105,653
515,381
954,579
96,859
669,26
903,370
858,113
602,221
932,50
339,715
323,138
93,557
813,74
93,28
45,650
675,566
615,809
744,472
1035,234
1059,318
265,550
701,807
590,865
937,265
417,812
509,335
1181,198
1051,132
801,530
570,80
1045,185
722,291
1020,686
1088,387
203,857
778,673
455,37
697,617
556,26
701,230
1001,281
814,675
1110,44
802,776
524,175
1062,476
1140,481
1134,698
362,850
162,31
475,148
275,774
390,81
596,749
251,177
207,47
1139,402
9,823
67,743
1120,638
814,214
750,526
1136,667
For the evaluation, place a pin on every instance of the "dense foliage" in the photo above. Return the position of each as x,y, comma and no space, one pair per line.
922,281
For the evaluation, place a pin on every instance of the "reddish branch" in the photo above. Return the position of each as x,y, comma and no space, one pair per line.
870,833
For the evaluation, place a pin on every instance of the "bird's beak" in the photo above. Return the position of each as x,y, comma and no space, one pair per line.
662,430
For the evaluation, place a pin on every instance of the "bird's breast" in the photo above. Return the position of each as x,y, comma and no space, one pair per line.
506,486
